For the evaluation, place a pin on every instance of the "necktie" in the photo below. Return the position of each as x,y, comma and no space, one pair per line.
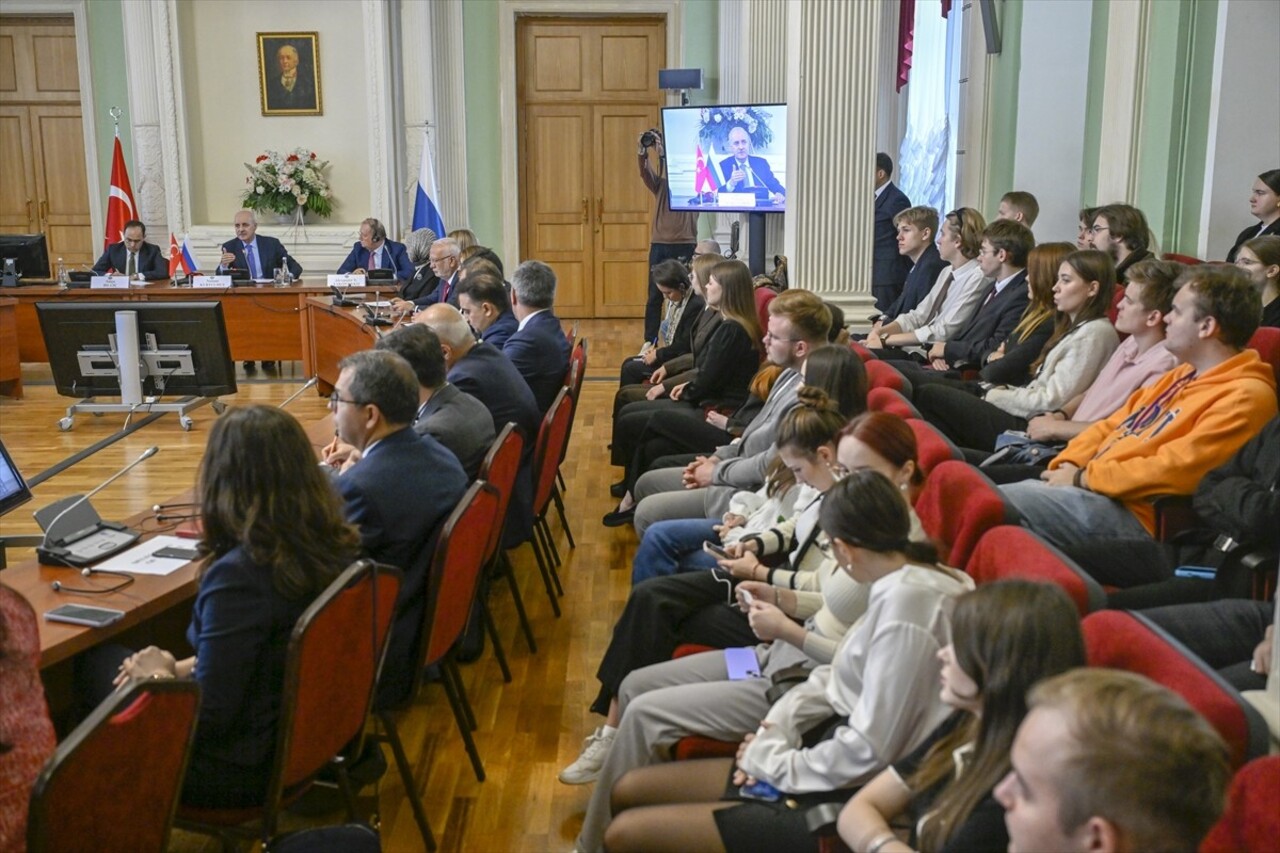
131,268
373,259
255,271
751,179
942,297
446,290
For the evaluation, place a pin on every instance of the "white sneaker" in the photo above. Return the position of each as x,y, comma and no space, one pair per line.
595,750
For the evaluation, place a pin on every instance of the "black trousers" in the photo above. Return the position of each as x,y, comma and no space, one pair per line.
674,433
632,420
661,614
659,252
965,419
1223,634
633,372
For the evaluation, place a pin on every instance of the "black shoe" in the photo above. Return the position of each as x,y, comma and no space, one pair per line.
618,489
471,647
618,517
269,366
250,367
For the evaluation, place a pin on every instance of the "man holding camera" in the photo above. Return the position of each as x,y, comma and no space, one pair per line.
672,235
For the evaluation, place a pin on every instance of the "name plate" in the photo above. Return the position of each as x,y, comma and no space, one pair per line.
347,280
108,282
736,199
211,281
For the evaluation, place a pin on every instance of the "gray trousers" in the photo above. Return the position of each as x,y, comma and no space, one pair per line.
1068,516
660,495
665,702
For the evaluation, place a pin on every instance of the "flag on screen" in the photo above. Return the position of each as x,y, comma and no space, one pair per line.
703,178
425,212
175,256
120,204
188,257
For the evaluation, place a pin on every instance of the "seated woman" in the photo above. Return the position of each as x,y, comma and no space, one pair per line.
1264,204
1010,363
876,701
690,608
26,734
1082,342
1005,637
681,305
1260,258
274,538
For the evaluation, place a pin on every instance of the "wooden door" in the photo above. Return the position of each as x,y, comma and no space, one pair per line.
586,90
18,200
61,183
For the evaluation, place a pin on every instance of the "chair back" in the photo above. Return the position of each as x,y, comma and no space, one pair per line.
1182,259
883,375
1251,821
956,506
932,447
1266,340
500,468
553,437
763,296
885,399
1007,551
862,352
455,569
113,784
1131,642
573,381
1113,310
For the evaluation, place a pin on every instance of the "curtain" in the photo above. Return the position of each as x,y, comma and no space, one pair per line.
923,157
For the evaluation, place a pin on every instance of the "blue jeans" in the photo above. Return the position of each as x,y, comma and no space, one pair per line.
673,546
1068,516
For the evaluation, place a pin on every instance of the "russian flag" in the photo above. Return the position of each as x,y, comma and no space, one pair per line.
425,212
189,264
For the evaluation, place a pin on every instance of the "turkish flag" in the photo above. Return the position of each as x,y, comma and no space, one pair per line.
175,255
120,205
702,177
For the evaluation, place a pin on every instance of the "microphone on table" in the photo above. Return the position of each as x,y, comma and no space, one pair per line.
43,549
310,383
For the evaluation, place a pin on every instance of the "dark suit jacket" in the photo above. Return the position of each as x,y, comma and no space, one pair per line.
394,257
399,495
991,324
303,96
540,351
725,364
424,281
683,368
919,282
1248,234
151,263
271,254
682,340
461,423
888,268
760,167
433,297
500,330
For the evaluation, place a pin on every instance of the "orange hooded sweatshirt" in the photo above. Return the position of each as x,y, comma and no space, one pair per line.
1173,432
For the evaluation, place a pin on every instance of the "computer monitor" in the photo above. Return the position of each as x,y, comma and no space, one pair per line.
13,489
23,256
183,346
726,157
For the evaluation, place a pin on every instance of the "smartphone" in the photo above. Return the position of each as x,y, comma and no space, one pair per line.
84,614
760,791
741,663
172,553
1207,573
716,551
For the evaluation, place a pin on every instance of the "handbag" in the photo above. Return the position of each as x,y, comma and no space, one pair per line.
1014,447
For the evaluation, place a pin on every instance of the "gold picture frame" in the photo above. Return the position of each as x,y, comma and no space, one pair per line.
275,51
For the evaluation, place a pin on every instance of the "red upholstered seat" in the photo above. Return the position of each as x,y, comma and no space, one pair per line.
763,296
862,352
1251,822
1266,340
932,447
882,375
885,399
1129,641
1182,259
1014,552
957,505
553,435
500,467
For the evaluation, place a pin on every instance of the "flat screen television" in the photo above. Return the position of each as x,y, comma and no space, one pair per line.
29,256
78,338
727,158
13,489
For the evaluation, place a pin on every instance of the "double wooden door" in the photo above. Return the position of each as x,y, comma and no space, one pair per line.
587,89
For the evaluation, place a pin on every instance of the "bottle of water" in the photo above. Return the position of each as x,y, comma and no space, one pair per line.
286,274
63,276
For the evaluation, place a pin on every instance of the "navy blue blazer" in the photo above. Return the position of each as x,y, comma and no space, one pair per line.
540,351
990,325
394,257
271,253
759,167
923,275
888,268
433,297
500,330
153,265
399,495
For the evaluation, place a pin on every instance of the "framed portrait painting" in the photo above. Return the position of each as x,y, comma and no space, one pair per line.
289,74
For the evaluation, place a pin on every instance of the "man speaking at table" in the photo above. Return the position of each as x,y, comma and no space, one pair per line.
744,173
260,256
133,256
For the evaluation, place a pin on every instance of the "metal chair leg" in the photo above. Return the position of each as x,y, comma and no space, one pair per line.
505,567
406,778
564,521
543,562
544,530
498,651
462,713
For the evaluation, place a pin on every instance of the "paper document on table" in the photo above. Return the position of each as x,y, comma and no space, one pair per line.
141,559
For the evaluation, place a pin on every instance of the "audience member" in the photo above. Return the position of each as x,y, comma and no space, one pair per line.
373,251
889,268
256,254
1005,637
27,738
133,256
1260,258
1235,636
1010,362
671,234
917,230
418,246
955,295
1121,231
1167,436
480,259
1109,761
444,258
465,238
1084,238
1264,204
483,301
1020,207
538,347
681,306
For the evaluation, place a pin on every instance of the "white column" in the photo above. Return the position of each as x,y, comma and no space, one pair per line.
833,59
144,69
1128,33
378,131
449,121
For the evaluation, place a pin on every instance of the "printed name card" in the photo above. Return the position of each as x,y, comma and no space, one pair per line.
345,281
108,282
211,281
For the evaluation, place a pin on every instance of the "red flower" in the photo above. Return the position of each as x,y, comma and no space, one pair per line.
261,157
293,158
313,155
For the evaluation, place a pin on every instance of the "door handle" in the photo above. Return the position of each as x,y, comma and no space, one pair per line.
599,213
44,211
586,208
29,220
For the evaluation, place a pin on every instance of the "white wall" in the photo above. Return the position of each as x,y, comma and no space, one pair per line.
1048,160
1244,119
225,124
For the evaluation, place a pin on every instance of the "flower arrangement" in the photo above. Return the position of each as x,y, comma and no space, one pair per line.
715,123
288,183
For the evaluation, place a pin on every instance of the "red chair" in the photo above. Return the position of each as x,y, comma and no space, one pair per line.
500,467
1129,641
335,655
882,375
1014,552
547,453
932,447
1251,822
114,782
1267,342
957,505
573,381
862,352
1114,310
763,296
1182,259
882,398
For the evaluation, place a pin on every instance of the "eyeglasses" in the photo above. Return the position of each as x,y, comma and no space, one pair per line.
1098,229
334,400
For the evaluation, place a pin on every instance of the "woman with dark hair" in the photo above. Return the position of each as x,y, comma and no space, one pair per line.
26,734
1010,363
1264,203
681,305
273,539
875,701
1082,342
1006,637
1260,258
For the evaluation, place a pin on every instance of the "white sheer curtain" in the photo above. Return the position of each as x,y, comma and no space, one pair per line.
922,160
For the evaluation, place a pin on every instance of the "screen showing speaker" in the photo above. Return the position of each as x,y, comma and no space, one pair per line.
727,158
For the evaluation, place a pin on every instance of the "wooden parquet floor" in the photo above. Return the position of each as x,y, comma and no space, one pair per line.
528,729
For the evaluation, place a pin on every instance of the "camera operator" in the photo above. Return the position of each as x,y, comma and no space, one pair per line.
672,234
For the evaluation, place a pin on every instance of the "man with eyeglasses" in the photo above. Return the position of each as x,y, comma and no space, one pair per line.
1121,231
133,256
445,259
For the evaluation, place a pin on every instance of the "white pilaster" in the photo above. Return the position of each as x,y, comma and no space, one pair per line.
1128,32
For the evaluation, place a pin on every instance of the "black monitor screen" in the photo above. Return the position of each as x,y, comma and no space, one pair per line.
727,157
71,328
29,254
13,489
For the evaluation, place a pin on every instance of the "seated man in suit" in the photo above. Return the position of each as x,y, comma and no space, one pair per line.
258,255
445,261
133,256
418,245
888,267
375,252
398,493
917,230
538,347
744,173
482,299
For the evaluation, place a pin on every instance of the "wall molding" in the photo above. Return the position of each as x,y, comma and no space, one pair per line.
1123,96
